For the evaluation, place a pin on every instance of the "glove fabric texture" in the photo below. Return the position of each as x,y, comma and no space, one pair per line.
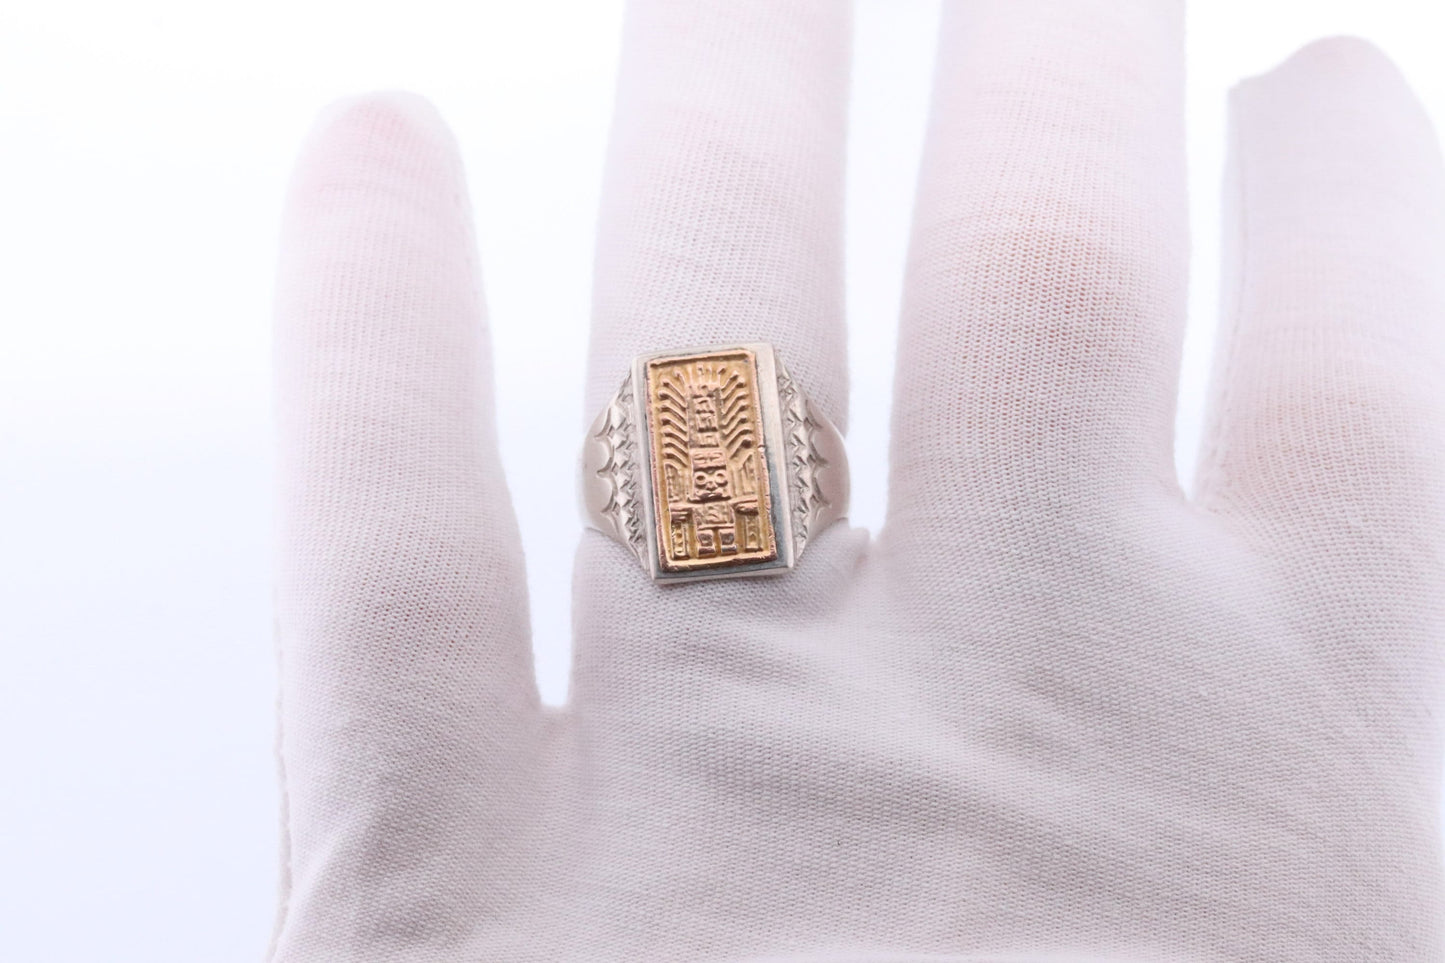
1058,710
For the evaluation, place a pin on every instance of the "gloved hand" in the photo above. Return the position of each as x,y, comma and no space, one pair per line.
1057,709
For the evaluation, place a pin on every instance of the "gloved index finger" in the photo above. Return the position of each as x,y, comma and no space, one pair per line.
1045,298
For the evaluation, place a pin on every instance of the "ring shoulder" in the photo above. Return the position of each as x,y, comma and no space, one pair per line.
611,476
817,462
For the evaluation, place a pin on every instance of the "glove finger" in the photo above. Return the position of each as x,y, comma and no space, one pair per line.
722,203
407,700
1044,300
720,223
1329,391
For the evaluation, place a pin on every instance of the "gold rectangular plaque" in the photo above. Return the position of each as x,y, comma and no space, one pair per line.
709,470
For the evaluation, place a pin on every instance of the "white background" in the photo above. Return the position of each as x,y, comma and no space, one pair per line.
144,149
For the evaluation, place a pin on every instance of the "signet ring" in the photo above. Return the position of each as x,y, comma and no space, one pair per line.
711,463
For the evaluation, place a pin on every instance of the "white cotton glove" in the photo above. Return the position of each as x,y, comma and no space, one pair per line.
1057,710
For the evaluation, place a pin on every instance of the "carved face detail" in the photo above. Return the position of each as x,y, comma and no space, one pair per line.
710,480
709,485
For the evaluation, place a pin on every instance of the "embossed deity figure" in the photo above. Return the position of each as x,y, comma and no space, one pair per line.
714,508
714,523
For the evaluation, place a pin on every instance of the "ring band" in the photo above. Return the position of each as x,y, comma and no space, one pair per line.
710,463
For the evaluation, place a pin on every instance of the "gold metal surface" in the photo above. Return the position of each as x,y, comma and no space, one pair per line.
709,475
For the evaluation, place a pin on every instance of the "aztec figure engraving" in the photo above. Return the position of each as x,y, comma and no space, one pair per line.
709,473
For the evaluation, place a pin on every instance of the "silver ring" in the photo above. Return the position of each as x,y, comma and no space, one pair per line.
710,463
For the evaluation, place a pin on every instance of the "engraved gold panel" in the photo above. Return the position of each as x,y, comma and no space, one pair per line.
709,471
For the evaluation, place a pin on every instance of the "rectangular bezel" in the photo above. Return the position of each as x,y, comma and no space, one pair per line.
681,401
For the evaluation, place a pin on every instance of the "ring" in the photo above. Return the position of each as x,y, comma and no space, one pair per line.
710,463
